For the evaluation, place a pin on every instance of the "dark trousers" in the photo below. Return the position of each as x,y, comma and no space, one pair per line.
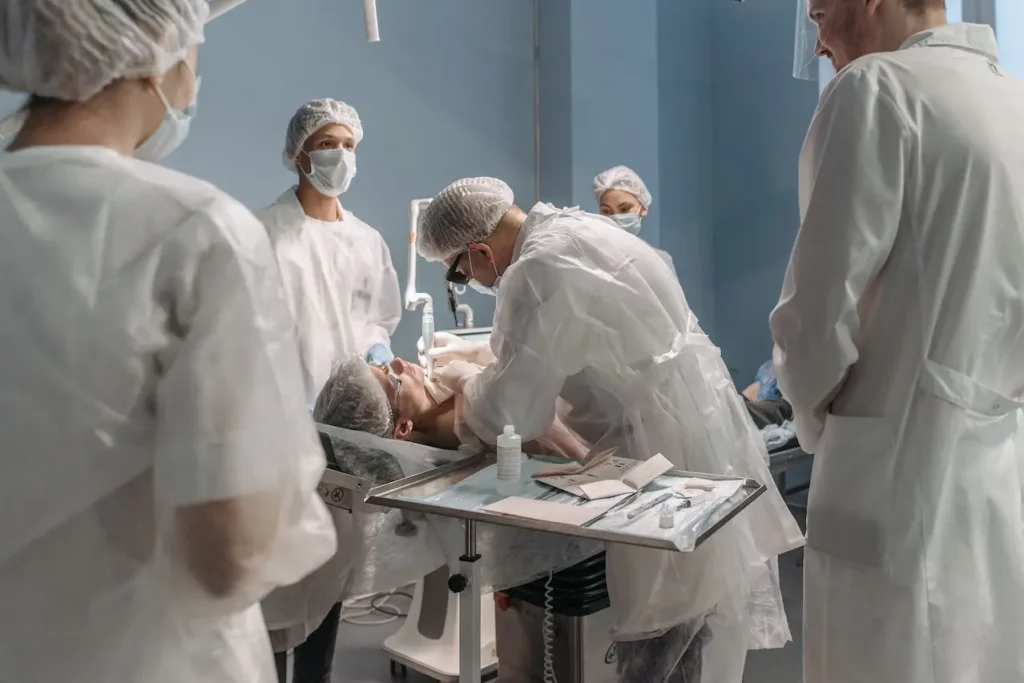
771,412
311,661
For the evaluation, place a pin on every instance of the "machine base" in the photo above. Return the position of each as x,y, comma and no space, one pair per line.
583,652
428,641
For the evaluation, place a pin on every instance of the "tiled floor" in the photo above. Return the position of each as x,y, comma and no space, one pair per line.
359,658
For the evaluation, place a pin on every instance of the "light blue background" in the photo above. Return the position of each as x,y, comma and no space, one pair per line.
696,95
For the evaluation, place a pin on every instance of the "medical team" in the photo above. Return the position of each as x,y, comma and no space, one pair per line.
162,343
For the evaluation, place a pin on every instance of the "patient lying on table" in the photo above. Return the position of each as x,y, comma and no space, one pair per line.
398,401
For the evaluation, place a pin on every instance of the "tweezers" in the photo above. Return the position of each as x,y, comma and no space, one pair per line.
621,504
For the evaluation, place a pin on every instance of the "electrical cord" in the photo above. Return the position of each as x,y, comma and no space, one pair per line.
548,630
356,611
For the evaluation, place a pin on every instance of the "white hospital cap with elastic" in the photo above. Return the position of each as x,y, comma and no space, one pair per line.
313,116
72,49
466,211
625,179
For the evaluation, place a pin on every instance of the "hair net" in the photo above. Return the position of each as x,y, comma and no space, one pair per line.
311,117
625,179
466,211
72,49
353,399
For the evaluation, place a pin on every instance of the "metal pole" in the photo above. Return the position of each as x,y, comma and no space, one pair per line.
536,101
469,609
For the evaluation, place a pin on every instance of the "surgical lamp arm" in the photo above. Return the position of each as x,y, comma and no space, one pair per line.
414,299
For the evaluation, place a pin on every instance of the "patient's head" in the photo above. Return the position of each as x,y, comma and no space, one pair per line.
385,400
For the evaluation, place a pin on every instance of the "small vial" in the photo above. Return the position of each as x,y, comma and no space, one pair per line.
667,518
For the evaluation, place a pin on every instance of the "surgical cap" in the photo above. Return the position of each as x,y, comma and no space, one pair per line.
71,49
625,179
353,399
313,116
466,211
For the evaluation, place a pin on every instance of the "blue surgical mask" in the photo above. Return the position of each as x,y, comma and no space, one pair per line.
172,130
630,222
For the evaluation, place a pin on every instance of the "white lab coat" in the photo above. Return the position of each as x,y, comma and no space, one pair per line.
900,343
341,285
149,367
594,316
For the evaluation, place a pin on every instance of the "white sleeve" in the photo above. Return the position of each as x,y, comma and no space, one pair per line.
231,413
852,171
231,419
386,306
538,342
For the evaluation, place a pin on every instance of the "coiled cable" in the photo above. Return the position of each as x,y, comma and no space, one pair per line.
548,630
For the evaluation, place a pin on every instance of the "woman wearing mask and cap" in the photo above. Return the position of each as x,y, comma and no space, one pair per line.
337,270
160,472
622,196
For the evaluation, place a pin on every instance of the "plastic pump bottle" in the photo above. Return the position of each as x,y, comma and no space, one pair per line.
510,462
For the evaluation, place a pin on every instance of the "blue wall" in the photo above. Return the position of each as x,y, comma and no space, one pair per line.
686,123
599,98
696,95
447,93
761,114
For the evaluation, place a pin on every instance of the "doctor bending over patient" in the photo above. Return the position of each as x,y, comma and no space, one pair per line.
159,468
596,318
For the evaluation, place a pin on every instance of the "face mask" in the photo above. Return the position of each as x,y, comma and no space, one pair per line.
482,288
331,170
630,222
172,130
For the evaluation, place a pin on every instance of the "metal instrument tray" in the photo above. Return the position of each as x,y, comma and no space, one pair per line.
425,493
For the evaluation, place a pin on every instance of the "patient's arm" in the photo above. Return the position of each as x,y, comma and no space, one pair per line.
559,440
444,427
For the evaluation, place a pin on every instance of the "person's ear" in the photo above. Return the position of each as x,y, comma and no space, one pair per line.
485,250
302,161
643,211
403,430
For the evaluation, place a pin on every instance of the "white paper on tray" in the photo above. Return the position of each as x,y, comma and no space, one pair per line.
606,488
606,477
647,471
529,508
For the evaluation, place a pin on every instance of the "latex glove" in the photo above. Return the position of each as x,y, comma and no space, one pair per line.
478,353
455,374
380,354
440,339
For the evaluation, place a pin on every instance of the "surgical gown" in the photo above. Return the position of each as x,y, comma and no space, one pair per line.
342,286
596,317
900,344
149,372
